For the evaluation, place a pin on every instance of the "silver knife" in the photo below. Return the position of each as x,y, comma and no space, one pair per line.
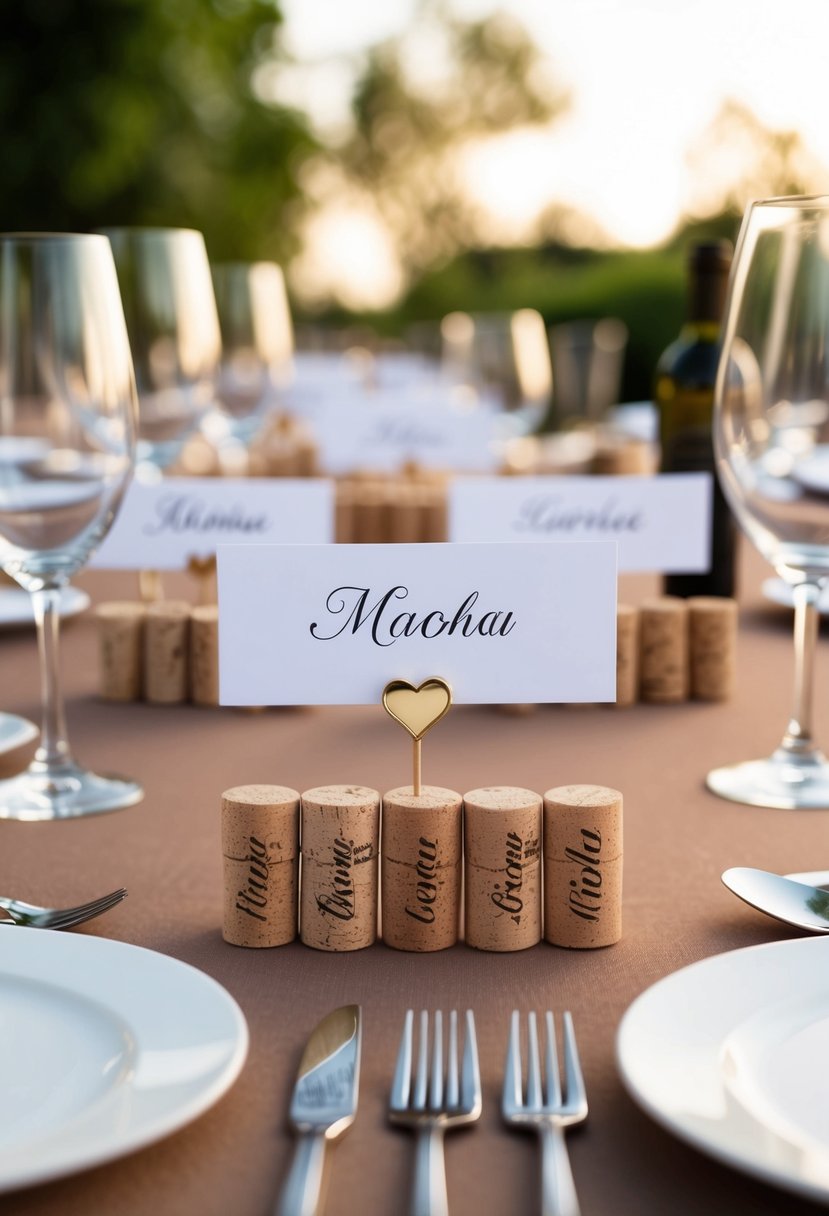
323,1105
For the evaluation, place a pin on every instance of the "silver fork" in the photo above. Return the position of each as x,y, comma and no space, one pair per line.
548,1113
436,1102
34,917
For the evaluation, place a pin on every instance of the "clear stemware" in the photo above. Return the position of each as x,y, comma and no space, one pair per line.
257,342
67,449
173,327
771,435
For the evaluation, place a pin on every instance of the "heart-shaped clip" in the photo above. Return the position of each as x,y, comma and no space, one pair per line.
417,709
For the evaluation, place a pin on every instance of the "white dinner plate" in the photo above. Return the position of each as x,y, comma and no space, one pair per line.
104,1048
729,1054
16,605
780,592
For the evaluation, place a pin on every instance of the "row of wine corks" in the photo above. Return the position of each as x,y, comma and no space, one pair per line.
166,652
669,649
386,511
529,867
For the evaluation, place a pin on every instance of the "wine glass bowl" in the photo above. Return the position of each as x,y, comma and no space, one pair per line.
771,428
257,342
67,450
173,328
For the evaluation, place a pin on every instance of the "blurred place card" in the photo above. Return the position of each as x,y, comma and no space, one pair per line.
382,433
331,625
660,523
160,527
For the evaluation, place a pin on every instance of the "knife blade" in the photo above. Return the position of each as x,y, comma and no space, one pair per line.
323,1105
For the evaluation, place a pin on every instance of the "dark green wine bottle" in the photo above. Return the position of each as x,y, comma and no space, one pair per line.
684,397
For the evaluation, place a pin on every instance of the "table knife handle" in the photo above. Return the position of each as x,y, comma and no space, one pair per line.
302,1192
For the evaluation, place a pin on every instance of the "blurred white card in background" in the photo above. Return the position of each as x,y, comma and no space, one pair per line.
384,431
161,526
332,625
660,523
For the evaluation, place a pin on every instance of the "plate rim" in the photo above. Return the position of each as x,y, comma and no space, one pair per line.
734,1158
180,1113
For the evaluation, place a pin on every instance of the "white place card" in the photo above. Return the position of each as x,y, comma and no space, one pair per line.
660,523
160,527
314,625
385,431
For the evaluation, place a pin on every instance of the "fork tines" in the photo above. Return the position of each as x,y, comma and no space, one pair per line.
426,1087
543,1098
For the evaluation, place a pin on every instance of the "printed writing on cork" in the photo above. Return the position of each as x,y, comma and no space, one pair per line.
385,625
426,893
586,891
255,895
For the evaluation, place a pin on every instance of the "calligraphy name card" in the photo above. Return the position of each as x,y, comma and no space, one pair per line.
383,432
334,624
660,523
161,526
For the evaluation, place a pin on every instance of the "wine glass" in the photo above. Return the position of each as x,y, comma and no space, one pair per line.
771,436
257,342
67,449
173,328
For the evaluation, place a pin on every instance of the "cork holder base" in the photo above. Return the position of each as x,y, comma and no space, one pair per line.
664,650
421,872
627,654
340,854
204,655
260,847
713,639
502,845
121,650
166,652
582,866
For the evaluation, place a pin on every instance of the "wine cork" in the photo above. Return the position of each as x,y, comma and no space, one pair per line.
663,650
582,866
166,636
436,527
713,644
340,852
627,654
371,515
260,846
407,514
121,650
344,513
204,655
422,851
502,874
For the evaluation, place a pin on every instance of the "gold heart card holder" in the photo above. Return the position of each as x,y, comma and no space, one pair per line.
422,849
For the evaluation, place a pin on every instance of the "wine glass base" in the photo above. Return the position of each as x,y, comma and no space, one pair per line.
67,792
775,782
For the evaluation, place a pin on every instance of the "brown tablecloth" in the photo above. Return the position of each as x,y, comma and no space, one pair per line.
678,839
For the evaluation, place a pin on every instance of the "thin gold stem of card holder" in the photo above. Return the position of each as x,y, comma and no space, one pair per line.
203,570
417,709
150,589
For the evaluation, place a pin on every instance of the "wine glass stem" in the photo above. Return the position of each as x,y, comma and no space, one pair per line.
54,747
798,737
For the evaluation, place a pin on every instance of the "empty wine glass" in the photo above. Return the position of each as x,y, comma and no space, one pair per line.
67,448
173,328
257,342
771,434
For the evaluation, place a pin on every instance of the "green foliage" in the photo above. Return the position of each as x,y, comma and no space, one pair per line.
144,112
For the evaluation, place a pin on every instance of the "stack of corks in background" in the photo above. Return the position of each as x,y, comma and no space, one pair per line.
529,868
165,653
670,649
376,510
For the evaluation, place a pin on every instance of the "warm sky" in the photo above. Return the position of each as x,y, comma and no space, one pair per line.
646,78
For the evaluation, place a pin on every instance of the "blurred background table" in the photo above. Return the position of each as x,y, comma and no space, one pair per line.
678,839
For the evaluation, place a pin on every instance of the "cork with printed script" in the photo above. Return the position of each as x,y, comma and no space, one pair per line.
121,650
340,859
166,652
582,866
502,850
421,875
663,651
260,849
